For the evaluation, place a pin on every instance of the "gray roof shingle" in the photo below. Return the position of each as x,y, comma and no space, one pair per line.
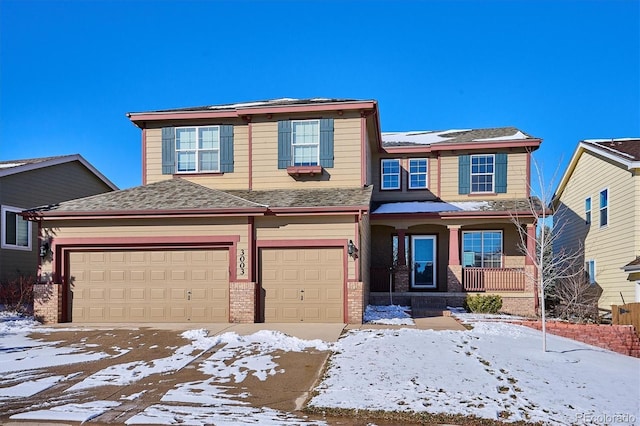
428,138
183,195
627,149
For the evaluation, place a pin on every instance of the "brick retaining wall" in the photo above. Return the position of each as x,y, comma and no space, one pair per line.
47,303
618,338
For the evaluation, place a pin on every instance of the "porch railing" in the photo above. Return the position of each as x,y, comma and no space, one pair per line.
379,278
493,279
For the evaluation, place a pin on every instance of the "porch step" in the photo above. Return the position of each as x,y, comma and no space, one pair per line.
428,303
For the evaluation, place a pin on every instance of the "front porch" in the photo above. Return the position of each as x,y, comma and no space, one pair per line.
430,266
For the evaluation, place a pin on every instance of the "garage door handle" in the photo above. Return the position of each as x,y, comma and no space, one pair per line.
302,294
188,295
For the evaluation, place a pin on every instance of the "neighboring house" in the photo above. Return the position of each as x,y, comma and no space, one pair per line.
262,211
36,182
597,214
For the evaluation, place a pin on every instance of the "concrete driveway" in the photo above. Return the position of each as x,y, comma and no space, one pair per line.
285,392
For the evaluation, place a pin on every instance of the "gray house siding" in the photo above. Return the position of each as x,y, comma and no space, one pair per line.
43,186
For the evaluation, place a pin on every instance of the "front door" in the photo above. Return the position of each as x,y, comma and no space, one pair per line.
423,261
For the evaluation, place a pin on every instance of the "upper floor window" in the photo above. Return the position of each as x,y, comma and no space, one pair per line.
482,173
590,269
587,210
198,149
418,173
304,143
482,249
305,139
390,175
604,207
16,231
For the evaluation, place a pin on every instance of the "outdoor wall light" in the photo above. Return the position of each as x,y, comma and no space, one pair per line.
352,250
45,248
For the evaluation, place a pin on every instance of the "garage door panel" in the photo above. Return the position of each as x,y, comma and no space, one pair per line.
302,284
158,286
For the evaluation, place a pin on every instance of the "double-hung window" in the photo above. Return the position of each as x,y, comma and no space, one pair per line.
198,149
482,249
390,174
482,173
305,141
604,207
418,173
16,231
587,210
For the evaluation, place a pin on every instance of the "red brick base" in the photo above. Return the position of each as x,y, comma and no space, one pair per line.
618,338
242,302
47,303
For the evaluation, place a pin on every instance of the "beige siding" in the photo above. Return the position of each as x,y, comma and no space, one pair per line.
308,229
405,194
516,178
155,228
346,170
611,246
238,179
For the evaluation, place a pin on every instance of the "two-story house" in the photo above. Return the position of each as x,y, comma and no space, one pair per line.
597,216
26,183
262,211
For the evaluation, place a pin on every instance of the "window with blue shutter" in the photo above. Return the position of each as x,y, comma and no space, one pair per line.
464,174
284,144
226,149
197,149
168,150
501,173
305,143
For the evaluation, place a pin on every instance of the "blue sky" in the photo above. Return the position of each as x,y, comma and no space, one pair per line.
559,70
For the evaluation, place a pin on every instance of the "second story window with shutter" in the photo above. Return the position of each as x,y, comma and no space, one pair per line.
305,141
197,149
482,173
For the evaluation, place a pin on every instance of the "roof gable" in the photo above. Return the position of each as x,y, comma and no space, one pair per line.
625,152
12,167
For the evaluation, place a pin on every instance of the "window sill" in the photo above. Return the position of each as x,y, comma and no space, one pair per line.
482,194
181,174
304,170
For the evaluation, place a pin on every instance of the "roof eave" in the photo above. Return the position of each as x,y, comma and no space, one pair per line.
283,211
142,117
143,214
533,144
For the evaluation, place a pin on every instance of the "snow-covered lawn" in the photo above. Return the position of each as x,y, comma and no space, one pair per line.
495,371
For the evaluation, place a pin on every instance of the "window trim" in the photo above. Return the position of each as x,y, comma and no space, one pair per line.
605,208
294,145
382,174
591,277
426,173
196,151
471,174
482,231
3,234
588,207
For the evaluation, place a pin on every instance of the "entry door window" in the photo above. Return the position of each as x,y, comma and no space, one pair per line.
423,257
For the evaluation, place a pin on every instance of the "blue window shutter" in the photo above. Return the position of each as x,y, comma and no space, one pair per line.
501,173
168,150
326,142
226,148
284,144
464,174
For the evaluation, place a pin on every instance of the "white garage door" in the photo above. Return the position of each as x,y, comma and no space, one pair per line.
302,284
150,286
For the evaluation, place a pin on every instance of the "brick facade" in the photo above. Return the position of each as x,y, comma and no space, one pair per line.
242,302
47,303
355,302
618,338
454,278
401,278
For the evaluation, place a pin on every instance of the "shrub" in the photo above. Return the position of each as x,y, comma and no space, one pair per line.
17,294
483,303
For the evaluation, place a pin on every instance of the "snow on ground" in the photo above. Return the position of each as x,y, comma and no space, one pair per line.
495,370
388,315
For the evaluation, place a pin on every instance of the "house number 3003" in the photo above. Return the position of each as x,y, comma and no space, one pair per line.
242,259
